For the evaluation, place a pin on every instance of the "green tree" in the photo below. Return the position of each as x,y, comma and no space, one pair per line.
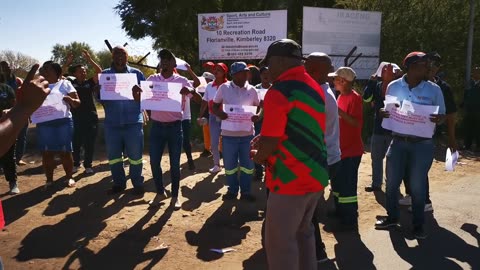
19,63
60,53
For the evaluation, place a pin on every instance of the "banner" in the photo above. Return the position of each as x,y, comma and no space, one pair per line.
239,35
336,31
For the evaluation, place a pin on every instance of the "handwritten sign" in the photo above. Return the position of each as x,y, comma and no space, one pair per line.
53,107
239,117
161,96
409,118
117,86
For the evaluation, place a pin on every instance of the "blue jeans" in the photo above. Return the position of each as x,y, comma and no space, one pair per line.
215,130
21,143
187,146
236,156
418,157
127,137
162,134
380,144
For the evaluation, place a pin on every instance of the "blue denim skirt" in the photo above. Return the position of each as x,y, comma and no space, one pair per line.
55,135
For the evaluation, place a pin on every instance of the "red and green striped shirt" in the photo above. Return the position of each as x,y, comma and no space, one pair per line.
294,110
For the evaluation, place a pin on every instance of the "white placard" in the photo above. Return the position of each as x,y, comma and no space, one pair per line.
239,35
181,64
409,119
451,160
53,107
161,96
117,86
336,31
239,117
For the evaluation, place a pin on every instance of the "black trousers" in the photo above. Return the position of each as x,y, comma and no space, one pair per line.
8,164
84,135
472,129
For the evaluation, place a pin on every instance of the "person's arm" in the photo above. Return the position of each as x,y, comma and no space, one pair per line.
95,66
275,120
72,99
67,63
370,89
203,108
13,122
195,96
196,81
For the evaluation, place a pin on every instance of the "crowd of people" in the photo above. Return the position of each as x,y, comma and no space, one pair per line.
306,133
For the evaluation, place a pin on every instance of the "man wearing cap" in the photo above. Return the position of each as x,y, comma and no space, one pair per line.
318,65
124,129
236,144
344,184
167,130
374,93
292,147
409,151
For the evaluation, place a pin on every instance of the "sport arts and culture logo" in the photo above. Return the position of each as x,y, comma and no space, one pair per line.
212,23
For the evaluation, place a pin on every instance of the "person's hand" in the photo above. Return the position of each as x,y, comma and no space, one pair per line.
387,73
145,118
34,91
68,99
373,77
255,118
437,118
257,159
223,115
185,91
254,142
383,113
136,92
69,59
86,54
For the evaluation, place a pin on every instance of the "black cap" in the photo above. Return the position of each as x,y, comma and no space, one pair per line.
166,54
283,47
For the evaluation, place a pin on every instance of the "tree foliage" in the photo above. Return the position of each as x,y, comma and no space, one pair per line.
19,63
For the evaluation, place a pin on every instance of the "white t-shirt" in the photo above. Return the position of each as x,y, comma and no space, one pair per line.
65,87
209,95
229,93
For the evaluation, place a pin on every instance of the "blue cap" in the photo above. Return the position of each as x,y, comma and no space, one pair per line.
237,67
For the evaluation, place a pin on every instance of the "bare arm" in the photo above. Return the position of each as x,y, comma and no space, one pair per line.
67,63
96,67
218,111
266,146
72,99
203,108
196,81
17,117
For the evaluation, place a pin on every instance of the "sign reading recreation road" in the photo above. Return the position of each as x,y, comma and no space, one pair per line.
336,31
239,35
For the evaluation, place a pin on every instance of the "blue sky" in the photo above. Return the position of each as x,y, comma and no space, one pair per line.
32,27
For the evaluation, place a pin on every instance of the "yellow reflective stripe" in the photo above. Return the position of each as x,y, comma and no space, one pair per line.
245,170
367,100
352,199
232,171
135,162
115,161
335,194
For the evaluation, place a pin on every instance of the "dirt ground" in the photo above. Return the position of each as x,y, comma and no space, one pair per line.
86,228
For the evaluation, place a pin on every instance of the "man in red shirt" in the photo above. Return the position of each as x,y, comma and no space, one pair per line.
344,184
292,146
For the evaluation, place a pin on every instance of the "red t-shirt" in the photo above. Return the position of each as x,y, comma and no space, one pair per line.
294,111
351,143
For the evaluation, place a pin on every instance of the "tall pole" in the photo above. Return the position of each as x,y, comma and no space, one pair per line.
470,44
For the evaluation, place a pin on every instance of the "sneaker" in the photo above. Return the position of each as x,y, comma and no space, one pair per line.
385,223
191,165
229,196
157,199
372,189
322,256
247,197
215,169
407,200
176,203
428,208
71,182
14,188
89,171
75,169
205,153
21,162
419,233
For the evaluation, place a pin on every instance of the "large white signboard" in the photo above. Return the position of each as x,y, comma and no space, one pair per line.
336,31
239,35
